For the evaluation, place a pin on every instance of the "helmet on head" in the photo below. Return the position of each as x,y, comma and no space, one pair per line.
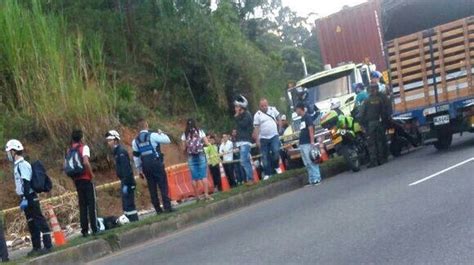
13,145
123,220
375,74
335,103
302,93
112,135
329,120
315,155
241,101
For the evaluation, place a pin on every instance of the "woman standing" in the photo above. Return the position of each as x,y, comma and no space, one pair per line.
194,140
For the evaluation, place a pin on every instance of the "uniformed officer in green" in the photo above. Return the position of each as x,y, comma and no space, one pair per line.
375,115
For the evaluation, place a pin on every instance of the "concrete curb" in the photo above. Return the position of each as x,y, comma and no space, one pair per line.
76,255
101,247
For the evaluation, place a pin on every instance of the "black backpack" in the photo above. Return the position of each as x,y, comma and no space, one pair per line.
40,181
74,166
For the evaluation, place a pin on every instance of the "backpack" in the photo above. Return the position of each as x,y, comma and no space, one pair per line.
40,181
194,144
74,163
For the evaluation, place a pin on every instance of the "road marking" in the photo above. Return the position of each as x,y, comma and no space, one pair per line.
443,171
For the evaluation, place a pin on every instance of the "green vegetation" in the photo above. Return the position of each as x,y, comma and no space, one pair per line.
92,63
52,82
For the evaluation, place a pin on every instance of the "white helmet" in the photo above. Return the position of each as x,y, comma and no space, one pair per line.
241,101
112,135
123,220
13,145
335,103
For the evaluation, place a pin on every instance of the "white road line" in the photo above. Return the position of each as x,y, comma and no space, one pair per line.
443,171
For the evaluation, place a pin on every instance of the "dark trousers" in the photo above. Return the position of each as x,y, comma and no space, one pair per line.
229,173
37,224
3,244
128,204
87,205
377,143
270,149
239,172
155,174
216,176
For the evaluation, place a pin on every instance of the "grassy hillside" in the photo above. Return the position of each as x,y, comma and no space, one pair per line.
97,64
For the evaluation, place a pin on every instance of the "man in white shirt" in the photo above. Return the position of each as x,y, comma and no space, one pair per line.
226,150
266,134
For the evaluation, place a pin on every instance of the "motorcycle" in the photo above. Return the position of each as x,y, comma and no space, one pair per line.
402,134
347,137
351,146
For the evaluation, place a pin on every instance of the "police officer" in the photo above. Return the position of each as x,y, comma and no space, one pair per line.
124,172
149,162
29,203
375,114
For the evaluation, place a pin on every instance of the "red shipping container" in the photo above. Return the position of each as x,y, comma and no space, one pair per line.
353,34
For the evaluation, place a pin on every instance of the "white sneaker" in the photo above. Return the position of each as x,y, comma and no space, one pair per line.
266,177
278,170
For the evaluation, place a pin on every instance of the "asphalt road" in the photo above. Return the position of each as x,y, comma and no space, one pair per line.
370,217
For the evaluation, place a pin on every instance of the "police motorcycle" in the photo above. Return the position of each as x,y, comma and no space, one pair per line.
347,137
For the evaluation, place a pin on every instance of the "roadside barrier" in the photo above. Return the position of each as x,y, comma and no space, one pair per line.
58,235
180,185
224,181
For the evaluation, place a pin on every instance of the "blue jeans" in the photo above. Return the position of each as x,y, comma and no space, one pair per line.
314,175
245,161
270,154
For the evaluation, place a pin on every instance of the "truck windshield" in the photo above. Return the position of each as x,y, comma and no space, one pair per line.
330,89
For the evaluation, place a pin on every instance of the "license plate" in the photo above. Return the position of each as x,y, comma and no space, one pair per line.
337,140
391,131
440,120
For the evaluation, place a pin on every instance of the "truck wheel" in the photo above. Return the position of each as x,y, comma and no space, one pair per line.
444,141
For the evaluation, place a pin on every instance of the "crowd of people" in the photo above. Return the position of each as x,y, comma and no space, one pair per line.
204,151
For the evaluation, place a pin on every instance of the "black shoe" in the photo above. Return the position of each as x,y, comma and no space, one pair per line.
6,260
34,252
372,165
169,210
85,235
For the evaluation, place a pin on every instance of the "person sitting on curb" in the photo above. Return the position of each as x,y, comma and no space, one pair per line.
29,201
124,172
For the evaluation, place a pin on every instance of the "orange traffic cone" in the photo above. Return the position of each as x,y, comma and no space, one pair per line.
324,154
224,181
256,179
58,235
282,166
